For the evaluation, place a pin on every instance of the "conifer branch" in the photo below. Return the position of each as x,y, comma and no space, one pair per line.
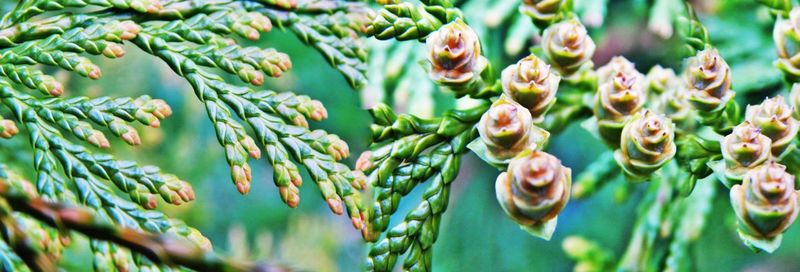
334,35
408,151
316,150
193,37
18,240
166,249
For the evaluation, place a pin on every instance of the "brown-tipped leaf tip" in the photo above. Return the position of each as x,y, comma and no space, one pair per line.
186,194
243,187
363,163
300,121
151,203
359,180
320,112
175,199
290,197
98,140
358,223
335,205
257,79
55,88
255,153
95,73
132,138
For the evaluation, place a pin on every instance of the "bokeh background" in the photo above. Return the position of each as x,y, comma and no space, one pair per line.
475,234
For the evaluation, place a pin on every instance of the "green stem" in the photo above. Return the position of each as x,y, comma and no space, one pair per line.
159,248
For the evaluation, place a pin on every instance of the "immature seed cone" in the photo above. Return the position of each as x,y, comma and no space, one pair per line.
530,83
505,129
774,118
567,46
454,52
787,42
618,64
766,204
647,143
674,103
616,100
542,12
709,79
659,79
534,190
743,150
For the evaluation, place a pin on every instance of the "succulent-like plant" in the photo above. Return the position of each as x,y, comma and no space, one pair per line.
674,104
533,191
766,204
646,144
454,52
530,83
744,149
774,119
709,79
618,97
506,130
620,65
567,46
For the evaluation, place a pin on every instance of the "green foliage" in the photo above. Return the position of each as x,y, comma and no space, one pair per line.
693,32
510,81
665,228
200,41
409,151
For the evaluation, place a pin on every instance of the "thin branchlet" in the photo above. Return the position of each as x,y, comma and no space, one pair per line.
199,40
165,249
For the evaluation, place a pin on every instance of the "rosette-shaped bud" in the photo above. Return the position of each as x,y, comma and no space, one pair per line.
505,129
616,100
766,204
454,53
616,65
787,42
534,190
774,118
530,83
567,46
659,79
709,79
674,103
543,12
743,150
646,144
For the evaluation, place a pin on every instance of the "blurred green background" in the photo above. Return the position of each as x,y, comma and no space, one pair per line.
475,234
